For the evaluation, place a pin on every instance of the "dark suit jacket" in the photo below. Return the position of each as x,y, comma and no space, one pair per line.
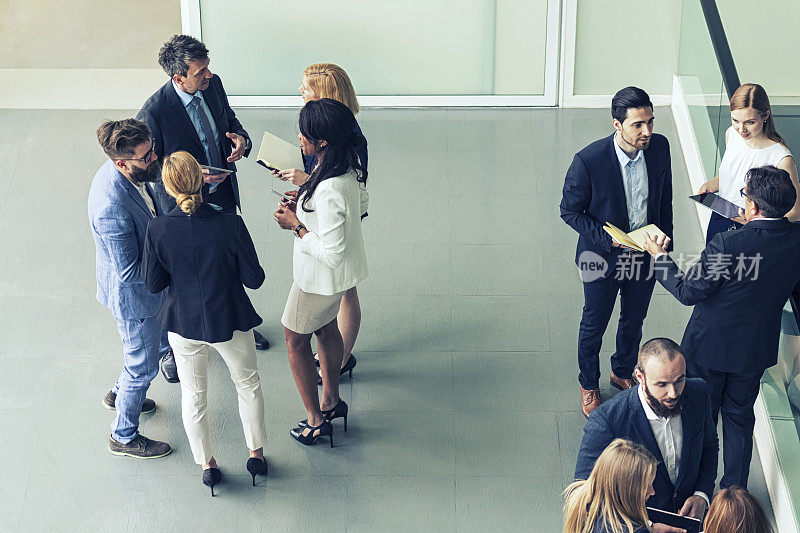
623,417
594,194
205,259
173,130
736,321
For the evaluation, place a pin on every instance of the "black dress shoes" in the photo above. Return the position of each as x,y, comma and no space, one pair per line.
169,368
261,342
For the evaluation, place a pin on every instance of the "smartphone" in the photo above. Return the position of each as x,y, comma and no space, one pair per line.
288,198
216,170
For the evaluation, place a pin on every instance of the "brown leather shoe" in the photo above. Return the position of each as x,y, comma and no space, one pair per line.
590,400
621,383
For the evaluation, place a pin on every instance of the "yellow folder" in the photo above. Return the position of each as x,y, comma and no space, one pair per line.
635,239
275,153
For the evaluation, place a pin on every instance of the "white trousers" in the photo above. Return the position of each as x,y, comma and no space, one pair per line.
239,354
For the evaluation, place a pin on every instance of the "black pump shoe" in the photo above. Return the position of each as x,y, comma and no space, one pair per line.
348,367
316,432
339,410
211,476
257,466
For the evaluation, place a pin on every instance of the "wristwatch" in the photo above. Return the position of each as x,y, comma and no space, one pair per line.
248,144
297,229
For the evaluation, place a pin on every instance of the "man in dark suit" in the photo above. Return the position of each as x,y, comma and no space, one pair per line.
624,179
670,416
738,287
191,112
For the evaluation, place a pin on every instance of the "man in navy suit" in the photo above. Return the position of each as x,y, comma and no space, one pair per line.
191,112
739,288
670,416
624,179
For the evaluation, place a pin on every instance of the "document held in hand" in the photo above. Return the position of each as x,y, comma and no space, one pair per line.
277,154
635,239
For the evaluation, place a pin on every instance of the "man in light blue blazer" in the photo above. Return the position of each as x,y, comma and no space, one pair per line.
120,206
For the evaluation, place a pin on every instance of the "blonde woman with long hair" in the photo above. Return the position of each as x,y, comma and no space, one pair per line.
751,141
326,80
206,257
613,499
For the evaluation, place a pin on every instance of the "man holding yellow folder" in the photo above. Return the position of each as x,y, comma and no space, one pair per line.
621,182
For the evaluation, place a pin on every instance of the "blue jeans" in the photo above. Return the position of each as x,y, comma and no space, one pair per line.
143,341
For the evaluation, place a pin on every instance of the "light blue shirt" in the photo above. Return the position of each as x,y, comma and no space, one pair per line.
186,98
634,181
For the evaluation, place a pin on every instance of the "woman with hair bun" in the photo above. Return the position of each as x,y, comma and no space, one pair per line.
206,258
751,141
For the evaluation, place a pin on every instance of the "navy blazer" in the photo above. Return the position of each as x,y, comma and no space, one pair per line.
594,194
172,130
623,417
206,259
736,322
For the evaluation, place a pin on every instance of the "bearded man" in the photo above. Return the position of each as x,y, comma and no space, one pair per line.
668,414
120,207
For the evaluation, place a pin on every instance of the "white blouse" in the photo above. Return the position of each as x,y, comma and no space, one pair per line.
738,159
330,258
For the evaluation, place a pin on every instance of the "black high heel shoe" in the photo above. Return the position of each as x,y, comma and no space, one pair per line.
323,429
348,367
339,410
211,476
257,466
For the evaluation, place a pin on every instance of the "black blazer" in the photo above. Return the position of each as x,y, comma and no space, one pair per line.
736,321
173,130
623,417
204,259
594,194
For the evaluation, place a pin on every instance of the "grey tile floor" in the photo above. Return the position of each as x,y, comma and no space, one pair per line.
464,402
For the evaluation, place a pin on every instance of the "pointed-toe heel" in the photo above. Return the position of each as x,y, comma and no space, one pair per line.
211,476
315,433
257,467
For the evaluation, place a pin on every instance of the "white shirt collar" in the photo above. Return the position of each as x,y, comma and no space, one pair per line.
185,97
765,218
621,155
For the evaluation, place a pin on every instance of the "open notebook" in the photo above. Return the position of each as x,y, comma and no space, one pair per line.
277,154
635,239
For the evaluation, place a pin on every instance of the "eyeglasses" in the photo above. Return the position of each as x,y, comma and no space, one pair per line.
744,194
151,152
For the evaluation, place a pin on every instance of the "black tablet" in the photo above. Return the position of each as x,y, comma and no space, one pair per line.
657,516
717,203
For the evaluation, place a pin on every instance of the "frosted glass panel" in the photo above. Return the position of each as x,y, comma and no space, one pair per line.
415,47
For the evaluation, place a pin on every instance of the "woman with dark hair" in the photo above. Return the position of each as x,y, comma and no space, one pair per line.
734,510
326,80
751,141
329,259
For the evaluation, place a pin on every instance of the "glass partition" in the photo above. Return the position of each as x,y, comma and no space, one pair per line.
414,48
703,87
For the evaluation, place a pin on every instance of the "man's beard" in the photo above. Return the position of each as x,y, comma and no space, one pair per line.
151,173
659,408
633,144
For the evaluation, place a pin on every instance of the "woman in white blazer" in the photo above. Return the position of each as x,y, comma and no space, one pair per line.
329,259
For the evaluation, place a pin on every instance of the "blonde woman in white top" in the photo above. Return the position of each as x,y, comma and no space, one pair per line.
751,141
328,259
